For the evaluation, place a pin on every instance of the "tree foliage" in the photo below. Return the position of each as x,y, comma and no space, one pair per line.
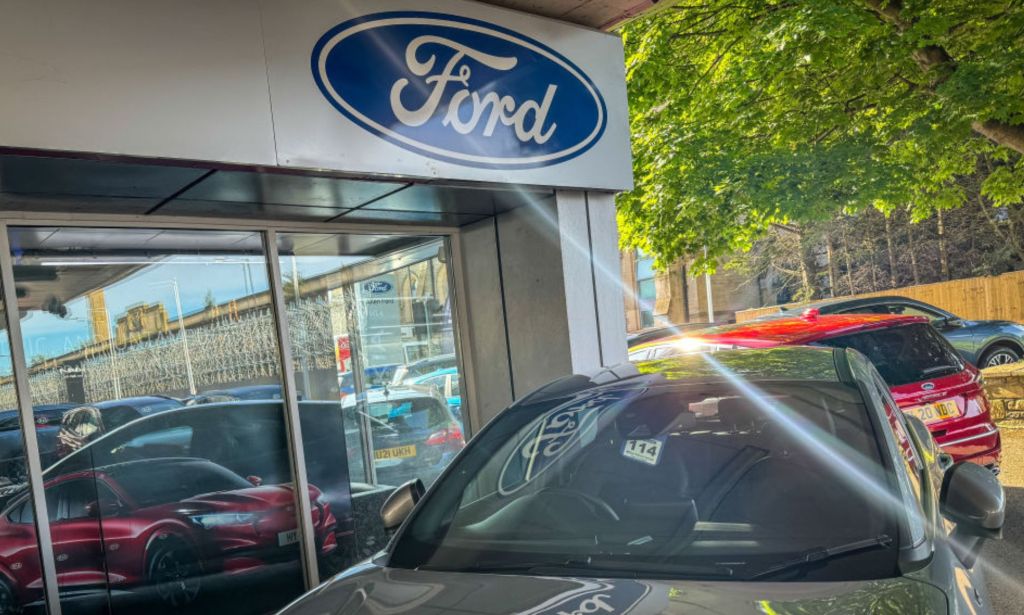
748,114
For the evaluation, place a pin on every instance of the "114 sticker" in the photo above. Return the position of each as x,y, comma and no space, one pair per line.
645,451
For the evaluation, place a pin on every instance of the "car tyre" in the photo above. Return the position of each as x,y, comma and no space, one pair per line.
8,603
1000,355
174,571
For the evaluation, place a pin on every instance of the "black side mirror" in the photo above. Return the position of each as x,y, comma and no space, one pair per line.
972,498
950,322
400,503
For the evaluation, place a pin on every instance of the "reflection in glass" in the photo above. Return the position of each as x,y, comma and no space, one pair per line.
167,477
21,576
370,321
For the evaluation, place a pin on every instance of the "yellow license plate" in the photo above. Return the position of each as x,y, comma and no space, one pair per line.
939,411
398,452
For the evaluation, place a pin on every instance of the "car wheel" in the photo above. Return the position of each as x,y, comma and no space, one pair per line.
1000,355
8,603
173,569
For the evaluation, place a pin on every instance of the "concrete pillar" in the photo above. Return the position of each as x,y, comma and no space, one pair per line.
541,297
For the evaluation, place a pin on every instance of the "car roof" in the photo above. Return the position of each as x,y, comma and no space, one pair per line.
830,305
799,329
444,371
784,363
129,401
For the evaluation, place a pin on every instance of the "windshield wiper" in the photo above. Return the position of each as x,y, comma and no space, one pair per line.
822,554
590,567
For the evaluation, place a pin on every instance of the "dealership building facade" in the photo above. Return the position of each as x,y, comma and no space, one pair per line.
263,261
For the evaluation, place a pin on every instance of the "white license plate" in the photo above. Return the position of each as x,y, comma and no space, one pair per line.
287,538
933,413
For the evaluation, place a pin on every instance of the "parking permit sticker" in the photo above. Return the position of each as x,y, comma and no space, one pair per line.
645,451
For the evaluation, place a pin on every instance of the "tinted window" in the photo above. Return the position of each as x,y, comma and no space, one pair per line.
672,482
905,354
159,482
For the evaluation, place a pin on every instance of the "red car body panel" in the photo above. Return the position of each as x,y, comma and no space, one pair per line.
971,436
125,540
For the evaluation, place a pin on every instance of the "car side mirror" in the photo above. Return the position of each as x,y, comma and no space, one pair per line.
106,507
400,503
951,322
255,481
972,498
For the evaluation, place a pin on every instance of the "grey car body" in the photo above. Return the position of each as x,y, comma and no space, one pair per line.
984,343
929,577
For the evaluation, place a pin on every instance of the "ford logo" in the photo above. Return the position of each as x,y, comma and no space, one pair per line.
459,90
377,286
928,386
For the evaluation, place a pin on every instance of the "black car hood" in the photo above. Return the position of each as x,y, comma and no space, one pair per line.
371,589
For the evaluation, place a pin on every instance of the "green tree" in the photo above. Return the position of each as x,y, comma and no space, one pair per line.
747,115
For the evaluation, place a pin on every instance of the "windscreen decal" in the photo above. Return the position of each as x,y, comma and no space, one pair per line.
646,450
620,597
555,434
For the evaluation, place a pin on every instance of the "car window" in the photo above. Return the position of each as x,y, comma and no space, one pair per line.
159,481
406,414
70,500
913,310
903,354
173,441
22,513
672,481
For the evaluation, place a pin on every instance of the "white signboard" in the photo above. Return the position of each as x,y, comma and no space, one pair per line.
447,89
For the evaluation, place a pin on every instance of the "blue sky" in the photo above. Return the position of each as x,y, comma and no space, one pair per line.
237,276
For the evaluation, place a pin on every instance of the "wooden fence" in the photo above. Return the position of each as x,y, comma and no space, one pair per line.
987,298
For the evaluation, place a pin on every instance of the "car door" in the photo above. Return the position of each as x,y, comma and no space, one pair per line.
75,530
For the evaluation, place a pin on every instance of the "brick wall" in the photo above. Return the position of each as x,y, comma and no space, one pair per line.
1004,386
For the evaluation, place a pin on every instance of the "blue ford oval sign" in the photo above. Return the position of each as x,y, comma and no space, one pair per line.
377,286
459,90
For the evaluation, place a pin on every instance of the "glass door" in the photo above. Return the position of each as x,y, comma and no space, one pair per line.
371,325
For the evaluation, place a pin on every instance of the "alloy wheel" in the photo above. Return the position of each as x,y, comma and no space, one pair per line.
175,576
1002,357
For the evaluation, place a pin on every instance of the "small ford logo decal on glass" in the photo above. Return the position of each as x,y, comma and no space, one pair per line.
377,286
928,386
459,90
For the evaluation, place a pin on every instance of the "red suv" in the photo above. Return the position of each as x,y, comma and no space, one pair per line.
927,377
167,523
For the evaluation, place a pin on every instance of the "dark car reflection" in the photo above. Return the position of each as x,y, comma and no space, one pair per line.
83,424
47,418
165,523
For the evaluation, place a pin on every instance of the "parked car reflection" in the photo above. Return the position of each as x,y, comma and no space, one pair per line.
84,424
414,433
173,522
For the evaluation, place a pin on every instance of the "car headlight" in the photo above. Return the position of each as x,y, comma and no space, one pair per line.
221,519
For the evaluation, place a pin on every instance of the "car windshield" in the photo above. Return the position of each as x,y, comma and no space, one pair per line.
164,481
910,353
695,481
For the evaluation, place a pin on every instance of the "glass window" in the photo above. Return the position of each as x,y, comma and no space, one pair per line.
373,340
155,351
21,582
905,354
673,480
646,290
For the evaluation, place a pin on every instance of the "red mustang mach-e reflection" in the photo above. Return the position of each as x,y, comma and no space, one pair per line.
165,523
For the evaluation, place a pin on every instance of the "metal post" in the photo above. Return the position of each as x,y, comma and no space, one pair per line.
355,344
296,449
28,433
184,337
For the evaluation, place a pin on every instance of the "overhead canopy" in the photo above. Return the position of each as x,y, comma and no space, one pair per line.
600,14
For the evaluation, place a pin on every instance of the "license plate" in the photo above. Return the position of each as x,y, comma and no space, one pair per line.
933,413
397,452
287,538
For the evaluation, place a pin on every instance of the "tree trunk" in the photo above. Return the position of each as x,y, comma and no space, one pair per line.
849,267
891,250
1000,133
833,273
913,256
808,267
943,249
871,264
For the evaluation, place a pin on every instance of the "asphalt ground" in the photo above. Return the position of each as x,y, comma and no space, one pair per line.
1005,558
